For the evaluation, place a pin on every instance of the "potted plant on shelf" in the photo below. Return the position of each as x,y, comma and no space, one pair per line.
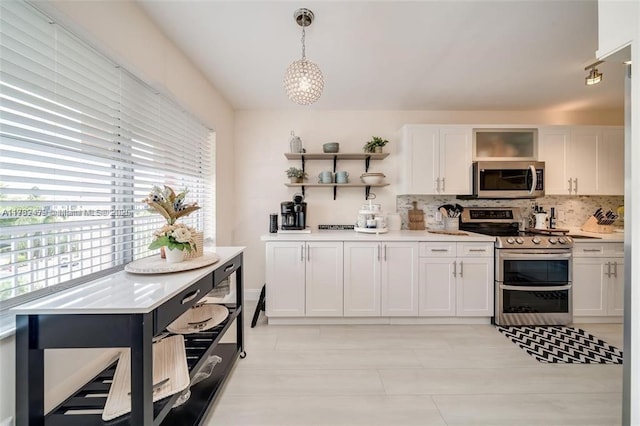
296,175
375,144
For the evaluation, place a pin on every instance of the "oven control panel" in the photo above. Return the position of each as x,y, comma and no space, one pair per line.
534,242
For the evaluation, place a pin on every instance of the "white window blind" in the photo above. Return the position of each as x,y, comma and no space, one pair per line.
82,143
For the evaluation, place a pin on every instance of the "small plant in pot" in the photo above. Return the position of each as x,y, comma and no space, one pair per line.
375,144
296,175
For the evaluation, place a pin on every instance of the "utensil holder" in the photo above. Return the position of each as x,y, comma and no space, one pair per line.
451,223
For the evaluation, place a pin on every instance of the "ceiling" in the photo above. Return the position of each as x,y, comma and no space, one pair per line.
396,55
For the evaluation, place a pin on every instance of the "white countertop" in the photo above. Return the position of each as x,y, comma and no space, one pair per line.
123,292
350,235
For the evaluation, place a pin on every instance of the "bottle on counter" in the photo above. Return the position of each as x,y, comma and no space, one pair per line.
552,219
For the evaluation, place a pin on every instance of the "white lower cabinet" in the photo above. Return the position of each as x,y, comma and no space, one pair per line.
598,280
456,279
380,279
304,279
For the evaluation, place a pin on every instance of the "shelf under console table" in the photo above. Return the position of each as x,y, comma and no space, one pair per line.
127,310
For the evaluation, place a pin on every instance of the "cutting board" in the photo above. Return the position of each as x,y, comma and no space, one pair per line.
416,218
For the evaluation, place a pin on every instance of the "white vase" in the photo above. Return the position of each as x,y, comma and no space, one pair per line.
174,255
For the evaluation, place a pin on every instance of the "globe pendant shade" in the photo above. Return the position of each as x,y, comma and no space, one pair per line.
303,82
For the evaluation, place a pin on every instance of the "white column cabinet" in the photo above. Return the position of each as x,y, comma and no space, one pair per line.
324,279
582,160
456,279
437,287
304,279
362,279
285,276
381,279
598,280
436,159
399,279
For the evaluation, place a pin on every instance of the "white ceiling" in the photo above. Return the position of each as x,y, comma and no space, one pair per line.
396,55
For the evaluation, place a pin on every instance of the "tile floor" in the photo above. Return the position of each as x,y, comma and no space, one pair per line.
395,375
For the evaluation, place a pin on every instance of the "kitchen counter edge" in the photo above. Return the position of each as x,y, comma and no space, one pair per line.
348,235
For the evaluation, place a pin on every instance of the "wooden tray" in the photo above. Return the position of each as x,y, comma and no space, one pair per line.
443,231
547,231
169,361
157,265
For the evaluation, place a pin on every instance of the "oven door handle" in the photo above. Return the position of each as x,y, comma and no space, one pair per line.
535,256
535,288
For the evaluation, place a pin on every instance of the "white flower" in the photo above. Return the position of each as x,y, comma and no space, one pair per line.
182,235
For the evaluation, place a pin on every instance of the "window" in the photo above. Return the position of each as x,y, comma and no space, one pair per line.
82,143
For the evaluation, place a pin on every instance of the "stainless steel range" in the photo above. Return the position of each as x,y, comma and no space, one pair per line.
533,272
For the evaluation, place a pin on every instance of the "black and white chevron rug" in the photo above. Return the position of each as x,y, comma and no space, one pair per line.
558,344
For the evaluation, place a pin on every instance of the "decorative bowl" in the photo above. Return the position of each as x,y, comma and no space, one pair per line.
370,179
331,147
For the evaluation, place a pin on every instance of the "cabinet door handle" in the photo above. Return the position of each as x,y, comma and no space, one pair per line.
302,253
575,185
615,269
230,267
308,254
442,184
478,250
439,250
592,250
437,184
609,269
570,186
385,253
189,297
378,252
455,272
461,269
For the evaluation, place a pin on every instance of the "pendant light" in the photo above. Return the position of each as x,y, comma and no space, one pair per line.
303,79
594,77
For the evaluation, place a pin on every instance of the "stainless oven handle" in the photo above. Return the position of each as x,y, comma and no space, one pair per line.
534,178
535,288
535,256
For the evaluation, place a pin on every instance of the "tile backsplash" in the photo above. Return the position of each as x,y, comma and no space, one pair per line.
572,211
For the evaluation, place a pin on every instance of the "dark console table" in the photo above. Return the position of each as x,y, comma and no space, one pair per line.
126,310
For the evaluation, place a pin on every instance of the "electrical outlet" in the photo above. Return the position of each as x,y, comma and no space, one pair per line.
561,215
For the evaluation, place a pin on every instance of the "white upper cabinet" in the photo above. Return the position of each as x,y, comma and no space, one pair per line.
436,159
582,160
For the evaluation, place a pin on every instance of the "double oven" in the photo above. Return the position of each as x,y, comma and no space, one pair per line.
533,272
533,285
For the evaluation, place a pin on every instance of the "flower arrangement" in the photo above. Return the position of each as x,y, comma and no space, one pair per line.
169,204
172,206
175,236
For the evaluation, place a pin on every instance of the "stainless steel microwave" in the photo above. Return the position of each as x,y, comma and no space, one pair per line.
508,179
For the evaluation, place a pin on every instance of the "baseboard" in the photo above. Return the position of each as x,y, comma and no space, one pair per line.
377,320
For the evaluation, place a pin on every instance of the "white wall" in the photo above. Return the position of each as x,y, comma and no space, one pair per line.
129,37
262,138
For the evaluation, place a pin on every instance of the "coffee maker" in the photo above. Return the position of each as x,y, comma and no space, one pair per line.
294,213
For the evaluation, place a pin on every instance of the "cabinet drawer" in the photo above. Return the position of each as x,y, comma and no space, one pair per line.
475,249
598,249
177,305
227,269
437,249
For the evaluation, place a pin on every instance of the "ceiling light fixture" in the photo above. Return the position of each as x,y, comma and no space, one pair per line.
594,76
303,80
